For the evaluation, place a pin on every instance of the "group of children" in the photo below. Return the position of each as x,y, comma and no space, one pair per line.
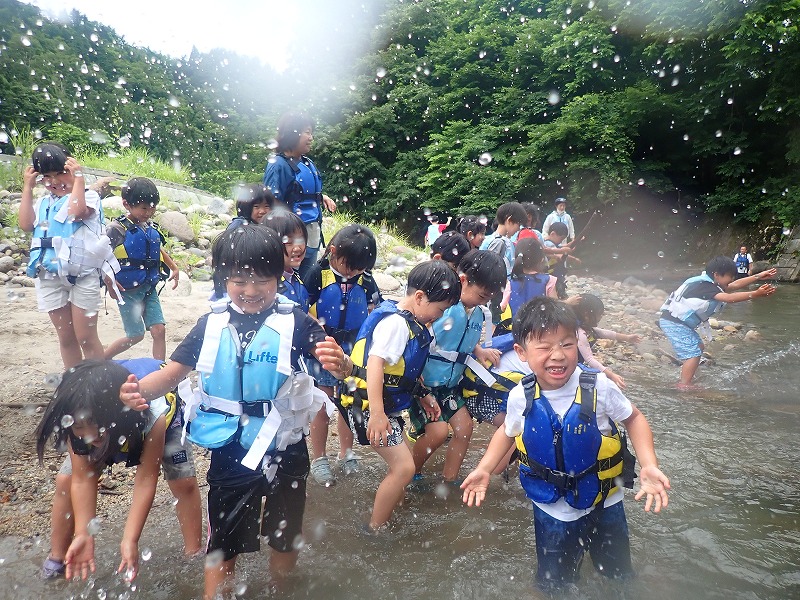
282,351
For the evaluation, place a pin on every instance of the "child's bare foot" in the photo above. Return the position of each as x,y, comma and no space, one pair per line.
688,387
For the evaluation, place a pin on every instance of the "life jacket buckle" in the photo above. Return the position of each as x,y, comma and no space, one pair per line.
260,408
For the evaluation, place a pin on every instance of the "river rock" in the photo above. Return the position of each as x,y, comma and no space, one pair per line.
176,224
646,356
651,304
184,285
113,203
387,283
201,274
752,335
6,264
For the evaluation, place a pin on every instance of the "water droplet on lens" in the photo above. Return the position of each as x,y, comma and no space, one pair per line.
94,526
485,158
661,254
147,554
615,255
67,421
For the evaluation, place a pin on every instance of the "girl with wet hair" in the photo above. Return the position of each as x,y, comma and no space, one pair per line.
589,309
87,417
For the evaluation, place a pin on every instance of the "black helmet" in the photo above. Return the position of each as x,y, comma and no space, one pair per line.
559,201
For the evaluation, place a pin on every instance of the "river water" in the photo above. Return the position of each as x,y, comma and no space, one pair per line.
731,529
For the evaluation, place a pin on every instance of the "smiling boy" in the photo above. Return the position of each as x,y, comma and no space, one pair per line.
563,420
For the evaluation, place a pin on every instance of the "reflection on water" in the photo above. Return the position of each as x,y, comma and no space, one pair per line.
730,530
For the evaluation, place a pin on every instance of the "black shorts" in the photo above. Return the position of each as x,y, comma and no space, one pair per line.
234,512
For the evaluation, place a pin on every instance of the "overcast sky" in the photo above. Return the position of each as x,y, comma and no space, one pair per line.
260,28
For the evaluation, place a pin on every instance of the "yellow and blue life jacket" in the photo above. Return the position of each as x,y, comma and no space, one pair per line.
340,312
523,290
456,331
139,255
568,457
400,381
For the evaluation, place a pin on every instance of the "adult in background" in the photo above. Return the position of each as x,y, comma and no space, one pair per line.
294,180
559,215
744,263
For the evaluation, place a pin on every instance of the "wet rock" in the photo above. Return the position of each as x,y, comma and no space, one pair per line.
752,335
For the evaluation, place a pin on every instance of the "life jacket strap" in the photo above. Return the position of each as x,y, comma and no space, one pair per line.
465,358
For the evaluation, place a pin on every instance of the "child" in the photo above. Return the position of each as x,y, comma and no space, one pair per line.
69,250
341,294
457,334
697,300
531,230
558,256
744,263
86,414
559,215
589,309
474,229
253,203
527,282
389,355
137,244
577,503
292,231
435,229
487,403
510,217
252,407
451,247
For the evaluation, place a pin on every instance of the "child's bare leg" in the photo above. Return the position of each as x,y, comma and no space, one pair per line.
392,489
345,436
85,326
218,579
319,428
159,334
461,422
281,564
426,444
190,512
67,341
62,521
688,370
120,345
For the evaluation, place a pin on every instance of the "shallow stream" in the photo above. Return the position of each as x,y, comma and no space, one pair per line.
731,530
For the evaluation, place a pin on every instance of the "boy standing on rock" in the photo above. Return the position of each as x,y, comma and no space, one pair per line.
697,300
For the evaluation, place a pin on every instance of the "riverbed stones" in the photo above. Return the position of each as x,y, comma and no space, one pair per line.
176,224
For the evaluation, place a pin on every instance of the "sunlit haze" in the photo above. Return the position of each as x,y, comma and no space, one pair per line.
259,28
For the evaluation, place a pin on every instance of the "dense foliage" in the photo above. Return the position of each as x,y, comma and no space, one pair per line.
458,105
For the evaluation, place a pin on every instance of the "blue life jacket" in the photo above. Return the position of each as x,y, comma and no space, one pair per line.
567,457
457,331
48,231
139,255
742,264
294,290
304,195
401,379
341,313
250,377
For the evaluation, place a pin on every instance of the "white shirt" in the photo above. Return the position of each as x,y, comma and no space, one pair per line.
390,338
611,404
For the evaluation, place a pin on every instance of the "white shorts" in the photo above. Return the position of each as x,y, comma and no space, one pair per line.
52,294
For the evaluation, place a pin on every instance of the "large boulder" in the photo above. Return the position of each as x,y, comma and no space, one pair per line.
176,224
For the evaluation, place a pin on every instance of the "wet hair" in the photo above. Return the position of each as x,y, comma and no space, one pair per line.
247,249
721,265
436,280
513,211
290,126
471,224
451,246
285,223
533,214
485,269
89,393
559,229
50,157
248,196
542,315
589,310
558,201
529,256
140,190
356,245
